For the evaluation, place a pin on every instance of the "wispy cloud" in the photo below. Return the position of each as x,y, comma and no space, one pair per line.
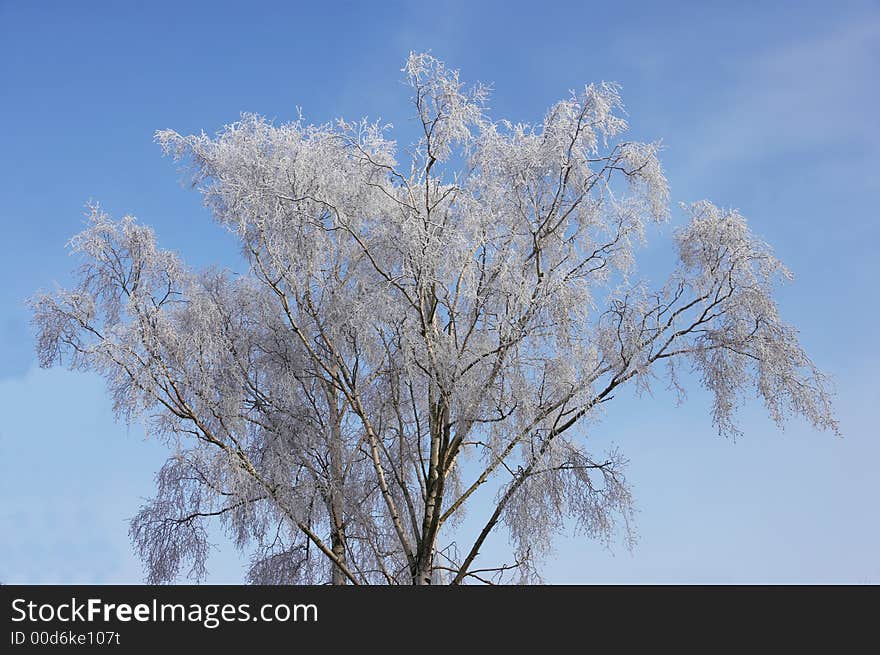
818,93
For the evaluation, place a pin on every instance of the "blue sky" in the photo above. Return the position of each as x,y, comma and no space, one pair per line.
767,107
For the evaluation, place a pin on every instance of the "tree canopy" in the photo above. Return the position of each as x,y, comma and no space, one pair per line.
411,330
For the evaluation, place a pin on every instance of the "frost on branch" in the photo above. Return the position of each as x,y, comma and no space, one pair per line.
409,338
446,111
738,340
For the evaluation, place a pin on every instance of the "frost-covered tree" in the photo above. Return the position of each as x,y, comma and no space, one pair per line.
406,333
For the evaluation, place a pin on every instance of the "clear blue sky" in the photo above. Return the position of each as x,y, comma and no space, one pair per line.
768,107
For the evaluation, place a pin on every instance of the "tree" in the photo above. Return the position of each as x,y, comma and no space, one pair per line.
406,334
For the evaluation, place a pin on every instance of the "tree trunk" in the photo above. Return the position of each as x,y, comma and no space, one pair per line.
336,493
439,430
425,569
337,539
